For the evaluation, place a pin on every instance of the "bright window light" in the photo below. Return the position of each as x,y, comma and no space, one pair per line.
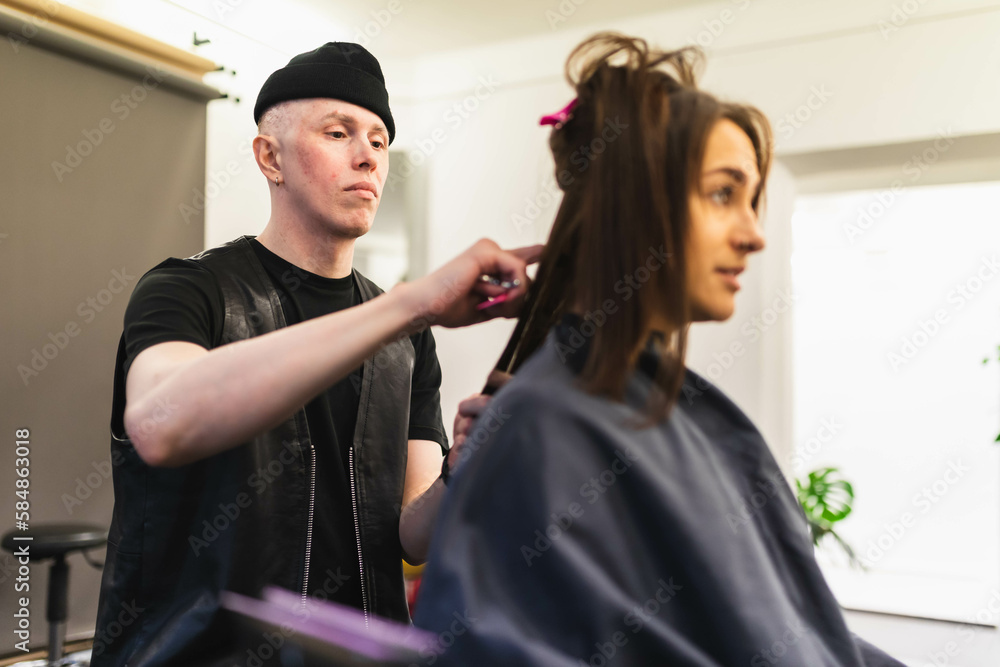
898,306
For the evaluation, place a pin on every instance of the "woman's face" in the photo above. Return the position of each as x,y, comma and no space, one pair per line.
724,229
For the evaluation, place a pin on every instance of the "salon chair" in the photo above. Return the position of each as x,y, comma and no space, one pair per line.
55,541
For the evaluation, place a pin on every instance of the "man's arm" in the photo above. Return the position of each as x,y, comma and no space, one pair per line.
422,493
185,403
423,489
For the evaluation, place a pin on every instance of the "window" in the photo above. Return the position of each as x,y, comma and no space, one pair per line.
898,304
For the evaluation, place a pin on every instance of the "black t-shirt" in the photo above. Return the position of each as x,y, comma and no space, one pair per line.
181,301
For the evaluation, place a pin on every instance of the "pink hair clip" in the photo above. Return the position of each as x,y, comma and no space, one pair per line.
559,117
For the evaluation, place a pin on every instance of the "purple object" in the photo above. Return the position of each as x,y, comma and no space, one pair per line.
334,628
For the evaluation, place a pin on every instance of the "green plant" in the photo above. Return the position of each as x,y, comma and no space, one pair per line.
827,499
986,360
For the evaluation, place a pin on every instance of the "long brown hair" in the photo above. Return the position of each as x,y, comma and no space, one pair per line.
627,160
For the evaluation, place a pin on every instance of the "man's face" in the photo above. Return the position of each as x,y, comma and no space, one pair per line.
334,161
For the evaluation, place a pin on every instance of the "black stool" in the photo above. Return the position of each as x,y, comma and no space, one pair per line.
55,540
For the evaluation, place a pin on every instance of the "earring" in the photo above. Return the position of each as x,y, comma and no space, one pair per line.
276,182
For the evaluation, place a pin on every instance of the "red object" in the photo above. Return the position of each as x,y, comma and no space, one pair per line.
412,590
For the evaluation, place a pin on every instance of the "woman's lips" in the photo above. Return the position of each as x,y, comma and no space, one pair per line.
730,277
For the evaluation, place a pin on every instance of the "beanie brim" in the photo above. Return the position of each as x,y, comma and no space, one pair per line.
326,80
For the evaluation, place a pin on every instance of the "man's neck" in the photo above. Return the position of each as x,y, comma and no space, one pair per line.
325,255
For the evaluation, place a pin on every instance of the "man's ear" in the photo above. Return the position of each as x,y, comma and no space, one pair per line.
266,152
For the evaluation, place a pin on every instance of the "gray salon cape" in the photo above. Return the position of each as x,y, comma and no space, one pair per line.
570,537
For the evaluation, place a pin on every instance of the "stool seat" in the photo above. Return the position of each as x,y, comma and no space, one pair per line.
50,540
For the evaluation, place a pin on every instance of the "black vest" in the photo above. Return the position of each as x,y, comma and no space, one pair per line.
241,520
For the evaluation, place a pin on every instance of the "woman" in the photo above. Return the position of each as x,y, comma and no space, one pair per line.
602,513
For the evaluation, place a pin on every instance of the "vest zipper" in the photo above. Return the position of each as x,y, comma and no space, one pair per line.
357,534
309,524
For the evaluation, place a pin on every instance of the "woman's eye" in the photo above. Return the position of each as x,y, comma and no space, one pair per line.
337,134
722,195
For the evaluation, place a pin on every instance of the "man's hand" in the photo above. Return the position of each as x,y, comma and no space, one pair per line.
448,297
468,411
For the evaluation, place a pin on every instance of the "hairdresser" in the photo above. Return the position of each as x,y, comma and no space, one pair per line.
275,412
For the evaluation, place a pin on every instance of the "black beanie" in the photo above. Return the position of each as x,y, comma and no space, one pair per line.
339,70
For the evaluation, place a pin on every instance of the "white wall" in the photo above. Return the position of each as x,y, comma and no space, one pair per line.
875,82
874,72
855,73
858,72
250,39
